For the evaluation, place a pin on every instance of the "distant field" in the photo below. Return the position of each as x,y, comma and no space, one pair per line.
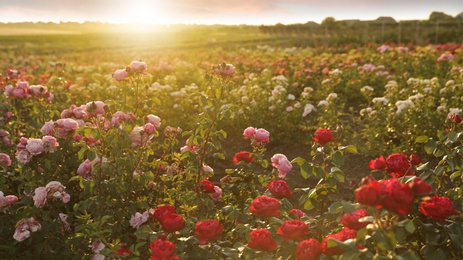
33,31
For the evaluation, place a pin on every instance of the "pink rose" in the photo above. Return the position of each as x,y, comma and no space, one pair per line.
155,120
66,198
95,108
22,232
282,164
49,143
8,90
120,74
23,156
138,66
217,193
40,196
149,128
48,128
262,136
249,132
5,159
138,219
35,146
139,137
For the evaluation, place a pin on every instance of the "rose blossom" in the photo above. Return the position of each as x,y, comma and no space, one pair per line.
243,156
95,108
309,249
297,212
377,164
323,136
217,193
139,137
138,219
207,186
397,165
293,230
6,201
155,120
282,164
24,227
397,197
343,235
419,186
49,143
262,239
48,128
264,206
120,74
351,220
415,159
40,196
23,156
249,132
5,159
369,193
279,189
438,208
208,230
138,66
262,136
163,211
162,249
34,146
85,169
172,223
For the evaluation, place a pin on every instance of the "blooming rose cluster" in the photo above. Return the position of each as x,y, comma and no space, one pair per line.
437,208
282,164
391,194
24,227
258,136
53,190
23,90
137,66
396,164
27,148
6,201
169,219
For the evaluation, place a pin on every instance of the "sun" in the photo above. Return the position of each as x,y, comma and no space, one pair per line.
139,12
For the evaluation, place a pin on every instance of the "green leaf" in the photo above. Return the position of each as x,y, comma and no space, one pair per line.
455,175
453,136
421,139
430,146
306,170
337,158
308,205
143,231
337,174
352,149
407,255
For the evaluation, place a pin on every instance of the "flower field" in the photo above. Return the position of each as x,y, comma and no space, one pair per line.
327,152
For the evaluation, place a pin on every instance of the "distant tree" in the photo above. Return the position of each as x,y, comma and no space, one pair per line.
329,22
440,16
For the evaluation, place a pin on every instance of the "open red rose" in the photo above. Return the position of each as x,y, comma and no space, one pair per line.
265,206
172,223
162,212
323,136
398,165
243,156
419,187
207,186
377,164
293,230
351,220
438,208
279,189
369,193
415,159
208,230
309,249
262,239
343,235
397,197
162,248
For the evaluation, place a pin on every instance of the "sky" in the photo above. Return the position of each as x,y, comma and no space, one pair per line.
254,12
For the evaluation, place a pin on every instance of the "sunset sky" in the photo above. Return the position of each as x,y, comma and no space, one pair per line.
220,11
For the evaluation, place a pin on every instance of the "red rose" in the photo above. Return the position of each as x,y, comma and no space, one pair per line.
397,197
297,212
369,193
351,220
162,212
293,230
419,187
207,186
208,230
262,239
279,189
243,156
123,250
343,235
264,206
438,208
162,248
309,249
323,136
172,223
456,118
415,159
397,165
377,164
